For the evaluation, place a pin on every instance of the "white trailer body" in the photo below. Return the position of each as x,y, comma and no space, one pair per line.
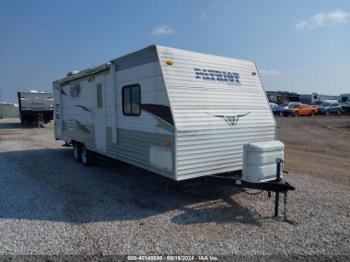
176,113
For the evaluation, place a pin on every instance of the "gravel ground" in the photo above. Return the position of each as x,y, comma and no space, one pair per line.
51,205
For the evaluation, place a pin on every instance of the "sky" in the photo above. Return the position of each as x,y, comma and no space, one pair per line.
300,46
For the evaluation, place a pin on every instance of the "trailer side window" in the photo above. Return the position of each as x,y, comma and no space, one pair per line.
132,100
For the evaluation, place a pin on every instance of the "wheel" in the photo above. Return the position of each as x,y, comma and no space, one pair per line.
296,114
77,152
328,113
312,113
280,114
87,157
338,113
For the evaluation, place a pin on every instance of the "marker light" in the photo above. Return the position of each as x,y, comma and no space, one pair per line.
254,73
167,142
169,62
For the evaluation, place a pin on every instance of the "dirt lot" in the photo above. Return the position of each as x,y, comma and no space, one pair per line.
50,204
317,146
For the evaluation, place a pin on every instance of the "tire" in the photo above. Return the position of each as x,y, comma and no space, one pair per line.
338,112
280,114
87,157
328,113
77,152
296,114
312,114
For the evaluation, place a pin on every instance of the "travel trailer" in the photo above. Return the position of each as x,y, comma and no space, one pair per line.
317,97
176,113
35,106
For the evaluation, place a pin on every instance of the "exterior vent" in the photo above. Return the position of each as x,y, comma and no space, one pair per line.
70,73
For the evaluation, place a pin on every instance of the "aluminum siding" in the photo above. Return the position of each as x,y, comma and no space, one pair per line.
205,143
133,148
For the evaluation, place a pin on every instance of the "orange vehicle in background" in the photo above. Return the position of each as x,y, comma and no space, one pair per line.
299,109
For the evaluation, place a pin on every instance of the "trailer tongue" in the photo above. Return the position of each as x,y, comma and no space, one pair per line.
262,169
278,185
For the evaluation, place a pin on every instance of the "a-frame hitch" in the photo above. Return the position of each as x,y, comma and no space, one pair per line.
278,186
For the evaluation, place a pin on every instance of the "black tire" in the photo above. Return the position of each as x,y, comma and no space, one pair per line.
88,157
296,114
280,114
338,112
77,152
328,113
312,114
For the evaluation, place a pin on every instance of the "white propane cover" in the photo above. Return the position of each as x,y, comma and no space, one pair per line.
259,161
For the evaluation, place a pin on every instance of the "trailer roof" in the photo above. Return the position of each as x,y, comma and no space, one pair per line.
134,58
84,73
39,92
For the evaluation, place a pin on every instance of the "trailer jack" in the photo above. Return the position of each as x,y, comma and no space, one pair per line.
66,144
277,186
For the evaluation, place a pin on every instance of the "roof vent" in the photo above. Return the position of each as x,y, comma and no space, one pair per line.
70,73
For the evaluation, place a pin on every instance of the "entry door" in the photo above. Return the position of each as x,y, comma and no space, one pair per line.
100,119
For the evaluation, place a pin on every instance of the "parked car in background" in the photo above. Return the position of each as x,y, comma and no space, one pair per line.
299,109
290,109
278,109
345,108
317,103
274,108
328,108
